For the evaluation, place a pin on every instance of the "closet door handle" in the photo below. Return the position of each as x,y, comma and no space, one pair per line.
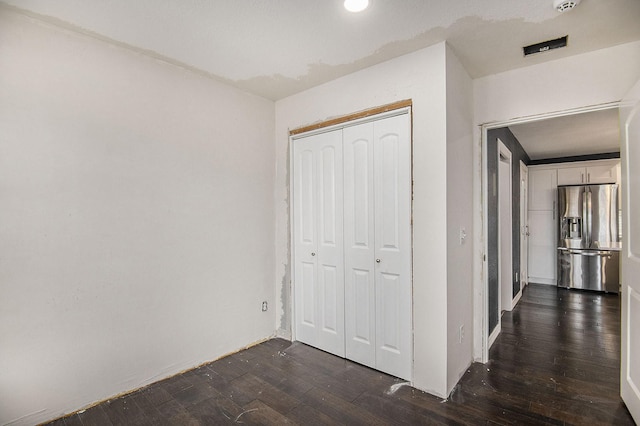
378,260
313,253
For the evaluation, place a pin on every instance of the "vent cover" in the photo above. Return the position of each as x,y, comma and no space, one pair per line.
564,5
545,46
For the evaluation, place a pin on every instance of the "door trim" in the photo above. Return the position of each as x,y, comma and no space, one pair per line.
356,116
481,287
504,156
524,230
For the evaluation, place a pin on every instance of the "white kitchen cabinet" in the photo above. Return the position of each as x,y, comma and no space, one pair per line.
543,184
542,247
592,173
543,225
352,243
542,188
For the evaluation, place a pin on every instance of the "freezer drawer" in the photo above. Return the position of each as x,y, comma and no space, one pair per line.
589,269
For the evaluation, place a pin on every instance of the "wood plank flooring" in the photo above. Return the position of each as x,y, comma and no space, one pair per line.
556,362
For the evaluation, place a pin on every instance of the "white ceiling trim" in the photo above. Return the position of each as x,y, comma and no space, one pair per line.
546,116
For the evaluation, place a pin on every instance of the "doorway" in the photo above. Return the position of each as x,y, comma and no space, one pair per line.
489,290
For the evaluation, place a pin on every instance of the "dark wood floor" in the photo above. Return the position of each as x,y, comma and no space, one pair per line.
556,362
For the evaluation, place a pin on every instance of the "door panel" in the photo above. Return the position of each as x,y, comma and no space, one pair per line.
387,170
392,180
329,282
305,241
630,334
306,188
359,249
390,313
363,314
360,189
330,196
308,292
319,250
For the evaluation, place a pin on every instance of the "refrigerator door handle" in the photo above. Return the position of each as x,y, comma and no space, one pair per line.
589,218
588,253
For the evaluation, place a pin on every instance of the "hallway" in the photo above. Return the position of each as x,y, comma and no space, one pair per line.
556,361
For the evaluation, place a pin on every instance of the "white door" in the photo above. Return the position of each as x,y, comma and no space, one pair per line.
505,228
318,241
524,224
392,180
377,157
630,335
360,297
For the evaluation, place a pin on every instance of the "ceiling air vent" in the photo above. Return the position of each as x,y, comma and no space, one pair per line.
545,45
565,5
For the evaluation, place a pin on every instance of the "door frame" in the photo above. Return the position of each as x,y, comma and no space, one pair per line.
481,316
504,156
524,227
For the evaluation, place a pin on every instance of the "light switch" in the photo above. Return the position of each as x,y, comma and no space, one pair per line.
463,235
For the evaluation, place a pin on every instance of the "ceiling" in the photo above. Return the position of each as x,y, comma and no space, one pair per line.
276,48
588,133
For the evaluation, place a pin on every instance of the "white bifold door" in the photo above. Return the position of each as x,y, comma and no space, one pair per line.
630,292
319,246
373,223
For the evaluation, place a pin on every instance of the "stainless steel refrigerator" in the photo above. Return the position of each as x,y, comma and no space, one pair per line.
589,237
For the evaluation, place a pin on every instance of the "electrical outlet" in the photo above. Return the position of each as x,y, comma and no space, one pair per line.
461,334
265,307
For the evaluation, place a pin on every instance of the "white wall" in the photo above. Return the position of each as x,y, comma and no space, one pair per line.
136,228
583,80
590,79
459,184
419,76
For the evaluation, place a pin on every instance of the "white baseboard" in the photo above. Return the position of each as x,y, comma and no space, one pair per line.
517,298
494,335
537,280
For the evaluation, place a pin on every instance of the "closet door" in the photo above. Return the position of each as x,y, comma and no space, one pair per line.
318,241
360,311
377,217
392,181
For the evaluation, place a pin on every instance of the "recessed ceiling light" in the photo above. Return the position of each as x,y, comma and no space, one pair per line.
356,5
